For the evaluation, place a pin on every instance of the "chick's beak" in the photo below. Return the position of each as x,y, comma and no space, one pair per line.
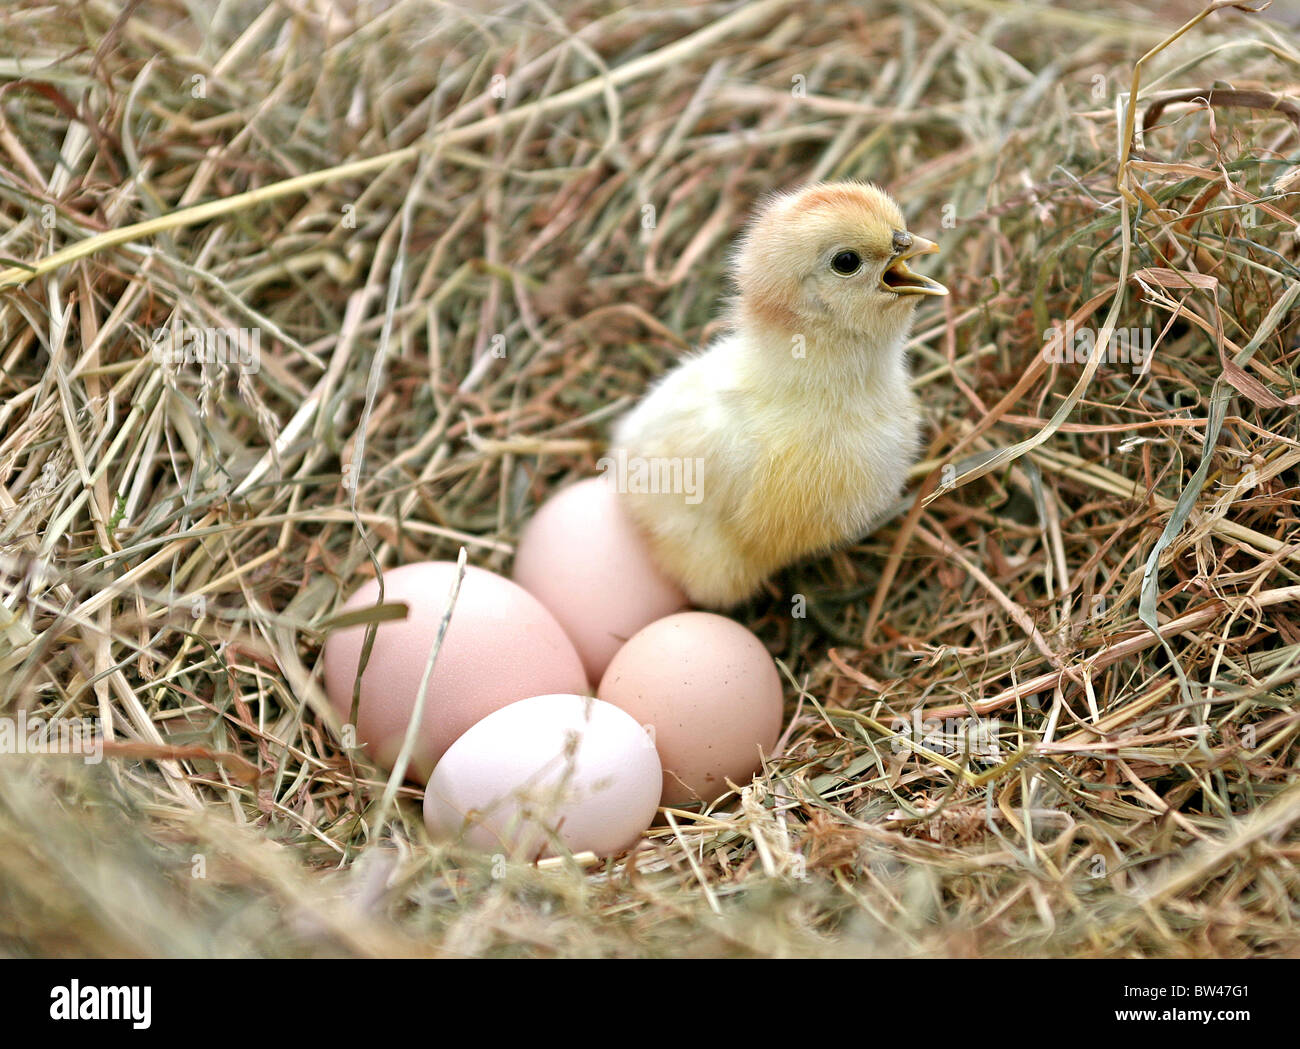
901,279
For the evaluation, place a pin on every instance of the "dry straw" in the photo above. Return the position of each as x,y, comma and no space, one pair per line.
458,242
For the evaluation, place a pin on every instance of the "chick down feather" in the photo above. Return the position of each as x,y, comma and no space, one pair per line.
798,427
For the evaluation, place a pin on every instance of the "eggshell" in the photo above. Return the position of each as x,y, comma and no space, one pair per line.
710,692
587,562
501,646
566,766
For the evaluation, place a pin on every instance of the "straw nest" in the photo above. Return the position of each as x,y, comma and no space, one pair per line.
1049,708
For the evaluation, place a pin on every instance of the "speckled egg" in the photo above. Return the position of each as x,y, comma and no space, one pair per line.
710,692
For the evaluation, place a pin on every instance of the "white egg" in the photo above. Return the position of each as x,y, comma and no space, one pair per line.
557,768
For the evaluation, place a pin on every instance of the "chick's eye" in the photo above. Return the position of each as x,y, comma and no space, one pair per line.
846,263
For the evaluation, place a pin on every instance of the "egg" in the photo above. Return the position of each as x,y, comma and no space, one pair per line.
559,766
501,646
585,560
710,692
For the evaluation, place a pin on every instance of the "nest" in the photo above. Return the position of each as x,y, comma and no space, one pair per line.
1049,708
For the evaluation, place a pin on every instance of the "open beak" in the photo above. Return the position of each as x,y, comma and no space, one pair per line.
901,279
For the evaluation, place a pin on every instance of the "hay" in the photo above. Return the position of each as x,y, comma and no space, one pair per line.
463,241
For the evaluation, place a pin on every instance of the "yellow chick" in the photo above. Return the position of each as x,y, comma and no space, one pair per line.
795,430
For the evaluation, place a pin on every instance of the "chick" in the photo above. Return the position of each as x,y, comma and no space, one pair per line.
800,423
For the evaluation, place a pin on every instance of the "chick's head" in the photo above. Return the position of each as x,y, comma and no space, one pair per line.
831,259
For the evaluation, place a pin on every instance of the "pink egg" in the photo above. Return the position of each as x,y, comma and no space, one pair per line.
585,560
501,646
710,693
